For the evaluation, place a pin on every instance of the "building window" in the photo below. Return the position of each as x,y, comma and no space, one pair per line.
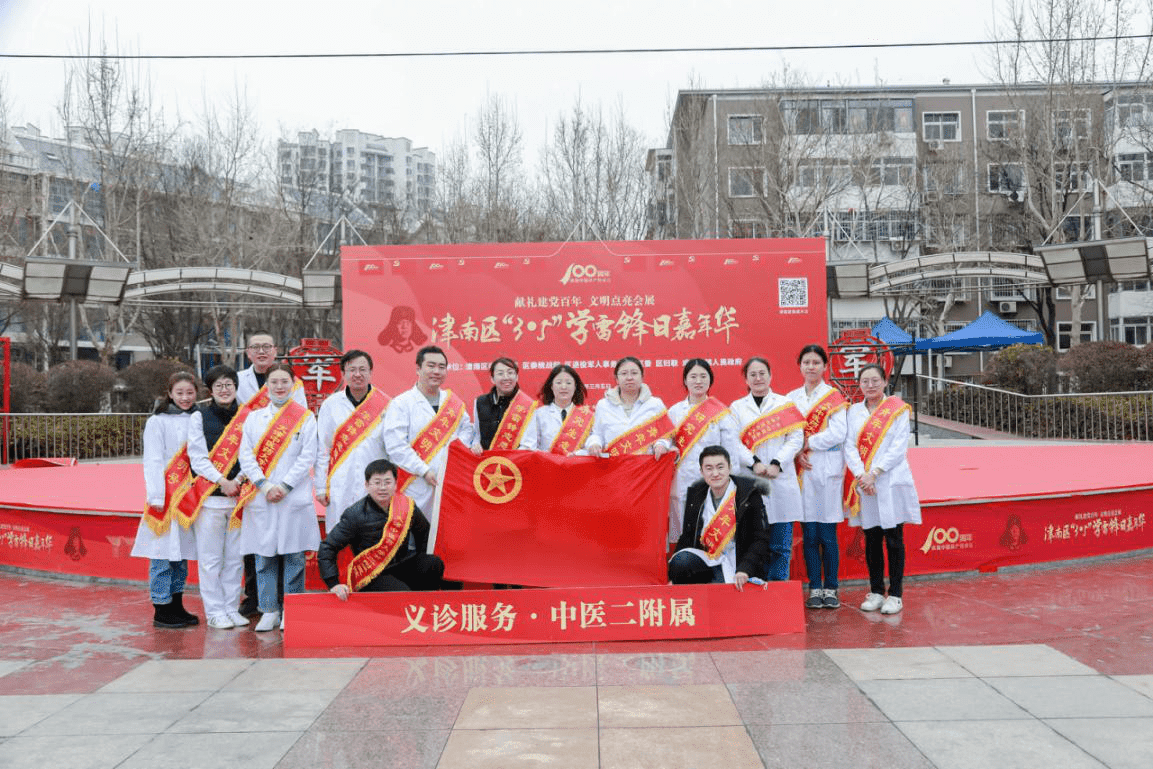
1064,293
1132,167
1065,332
746,129
891,171
664,169
1133,330
746,182
1002,125
941,126
1006,178
746,228
1071,177
943,179
1071,124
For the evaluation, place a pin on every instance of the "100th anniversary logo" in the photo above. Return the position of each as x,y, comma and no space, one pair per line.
585,273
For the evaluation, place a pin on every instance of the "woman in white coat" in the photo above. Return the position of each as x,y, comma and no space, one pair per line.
160,537
220,560
822,475
625,408
280,522
700,421
885,496
770,430
562,394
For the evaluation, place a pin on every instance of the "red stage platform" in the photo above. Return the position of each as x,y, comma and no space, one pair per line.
983,507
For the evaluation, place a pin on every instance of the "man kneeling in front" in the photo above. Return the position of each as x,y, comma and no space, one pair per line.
388,535
724,536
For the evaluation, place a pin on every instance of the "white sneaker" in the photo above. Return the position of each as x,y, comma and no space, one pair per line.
221,622
238,619
872,602
892,605
268,621
282,622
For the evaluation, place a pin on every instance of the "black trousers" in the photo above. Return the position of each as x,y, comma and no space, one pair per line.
877,542
420,571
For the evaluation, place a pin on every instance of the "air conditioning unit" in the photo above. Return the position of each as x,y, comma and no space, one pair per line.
935,146
947,361
1007,308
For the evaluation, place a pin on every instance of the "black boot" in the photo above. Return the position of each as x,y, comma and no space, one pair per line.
163,617
179,611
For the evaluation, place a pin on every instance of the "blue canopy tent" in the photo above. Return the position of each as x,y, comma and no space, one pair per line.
896,338
988,332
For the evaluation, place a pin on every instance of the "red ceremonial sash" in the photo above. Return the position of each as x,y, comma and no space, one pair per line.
640,438
719,533
512,424
434,436
270,448
779,421
818,419
367,564
868,441
695,423
177,477
574,431
358,426
223,456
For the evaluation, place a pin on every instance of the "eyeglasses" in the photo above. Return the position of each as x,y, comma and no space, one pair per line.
262,347
224,384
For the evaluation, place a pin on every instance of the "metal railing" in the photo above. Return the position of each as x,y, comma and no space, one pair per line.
1123,416
84,436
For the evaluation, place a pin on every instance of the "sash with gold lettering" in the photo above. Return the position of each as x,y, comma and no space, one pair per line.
784,418
177,478
818,419
435,435
270,448
640,438
719,533
574,431
358,426
367,564
223,457
696,423
512,424
868,441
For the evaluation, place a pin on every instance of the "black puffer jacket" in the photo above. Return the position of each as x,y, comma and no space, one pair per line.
752,537
361,526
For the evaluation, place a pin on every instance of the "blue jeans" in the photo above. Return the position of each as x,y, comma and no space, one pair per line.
687,568
166,578
267,573
821,554
780,549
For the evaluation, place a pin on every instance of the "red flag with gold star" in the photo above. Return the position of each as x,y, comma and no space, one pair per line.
539,519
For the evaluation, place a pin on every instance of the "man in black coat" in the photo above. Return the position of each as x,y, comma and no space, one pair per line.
361,527
736,555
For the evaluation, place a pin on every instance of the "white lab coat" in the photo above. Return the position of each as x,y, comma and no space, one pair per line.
164,434
543,427
822,491
407,415
783,503
611,421
290,525
896,500
722,432
347,484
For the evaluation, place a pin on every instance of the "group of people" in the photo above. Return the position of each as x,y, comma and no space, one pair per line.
228,480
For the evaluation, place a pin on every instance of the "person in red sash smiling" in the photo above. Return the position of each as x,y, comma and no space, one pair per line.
700,421
350,428
388,535
418,427
501,414
880,494
821,469
630,419
771,436
161,537
277,451
562,423
214,435
724,537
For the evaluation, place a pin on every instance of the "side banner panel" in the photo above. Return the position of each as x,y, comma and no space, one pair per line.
587,304
538,519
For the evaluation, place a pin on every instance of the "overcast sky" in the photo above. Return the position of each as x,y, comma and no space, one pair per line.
430,100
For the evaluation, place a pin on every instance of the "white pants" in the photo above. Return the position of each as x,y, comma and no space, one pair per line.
220,560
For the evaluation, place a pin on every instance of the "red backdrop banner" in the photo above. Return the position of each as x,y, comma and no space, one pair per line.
587,304
476,617
534,518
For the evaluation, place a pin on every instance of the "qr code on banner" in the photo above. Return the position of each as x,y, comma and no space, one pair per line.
793,292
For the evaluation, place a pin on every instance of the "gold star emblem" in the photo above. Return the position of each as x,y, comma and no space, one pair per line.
497,480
